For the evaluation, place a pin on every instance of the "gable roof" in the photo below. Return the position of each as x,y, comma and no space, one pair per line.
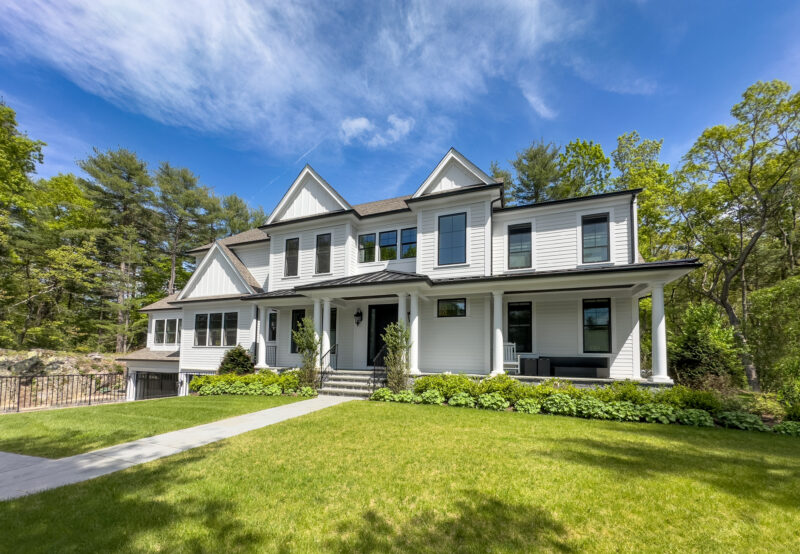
307,171
452,155
163,304
382,206
239,269
247,237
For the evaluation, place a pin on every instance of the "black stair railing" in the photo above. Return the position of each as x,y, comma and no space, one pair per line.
376,366
328,362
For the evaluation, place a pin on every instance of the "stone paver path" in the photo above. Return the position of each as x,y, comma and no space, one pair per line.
22,475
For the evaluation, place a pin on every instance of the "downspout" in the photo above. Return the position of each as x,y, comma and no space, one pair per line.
632,231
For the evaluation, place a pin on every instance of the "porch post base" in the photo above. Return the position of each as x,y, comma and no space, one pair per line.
414,371
497,372
661,379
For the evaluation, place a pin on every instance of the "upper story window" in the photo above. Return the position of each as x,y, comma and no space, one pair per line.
167,331
594,233
453,239
597,325
323,264
216,329
451,307
292,254
366,248
408,243
519,246
388,245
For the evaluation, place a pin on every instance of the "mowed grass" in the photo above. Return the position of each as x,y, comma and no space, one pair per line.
64,432
374,477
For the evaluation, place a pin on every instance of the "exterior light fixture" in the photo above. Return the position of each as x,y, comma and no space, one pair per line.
358,316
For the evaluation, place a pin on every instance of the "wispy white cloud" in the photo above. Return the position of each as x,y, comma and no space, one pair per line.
353,127
535,100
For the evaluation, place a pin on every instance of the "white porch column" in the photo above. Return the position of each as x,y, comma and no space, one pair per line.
659,337
402,313
497,358
413,352
262,337
325,342
318,320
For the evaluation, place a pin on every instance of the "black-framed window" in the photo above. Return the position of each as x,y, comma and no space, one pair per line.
323,264
594,230
158,333
453,239
520,325
297,318
597,325
519,246
408,243
272,326
200,329
366,248
215,329
451,307
332,330
387,241
292,256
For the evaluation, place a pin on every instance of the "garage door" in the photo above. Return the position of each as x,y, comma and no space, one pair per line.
155,385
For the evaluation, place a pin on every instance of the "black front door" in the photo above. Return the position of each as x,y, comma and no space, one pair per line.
380,316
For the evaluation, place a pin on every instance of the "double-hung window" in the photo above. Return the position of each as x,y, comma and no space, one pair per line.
216,329
453,239
323,264
158,336
366,248
297,319
167,331
597,325
408,243
388,245
519,246
594,230
520,325
292,254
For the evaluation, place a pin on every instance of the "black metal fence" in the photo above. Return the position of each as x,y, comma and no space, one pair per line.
20,393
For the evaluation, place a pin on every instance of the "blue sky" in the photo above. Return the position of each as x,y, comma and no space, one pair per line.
245,93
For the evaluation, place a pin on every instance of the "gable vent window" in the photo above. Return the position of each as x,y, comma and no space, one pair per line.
366,248
217,329
453,239
388,244
408,243
323,253
519,246
292,253
595,238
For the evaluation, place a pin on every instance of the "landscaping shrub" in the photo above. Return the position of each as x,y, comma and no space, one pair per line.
383,394
789,395
259,384
508,387
305,337
696,418
447,384
741,420
432,396
791,428
397,338
528,406
493,401
407,397
590,408
307,391
657,413
559,404
622,411
289,381
681,396
622,391
462,400
553,386
236,360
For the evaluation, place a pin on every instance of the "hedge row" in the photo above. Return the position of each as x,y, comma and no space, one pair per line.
257,384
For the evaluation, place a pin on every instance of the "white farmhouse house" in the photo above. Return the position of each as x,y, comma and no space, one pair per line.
549,289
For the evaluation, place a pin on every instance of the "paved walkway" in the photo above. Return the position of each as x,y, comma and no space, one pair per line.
23,475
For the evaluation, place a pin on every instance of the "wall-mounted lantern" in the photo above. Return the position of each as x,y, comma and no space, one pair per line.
358,316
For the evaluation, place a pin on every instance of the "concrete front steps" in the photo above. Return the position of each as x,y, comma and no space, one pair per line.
351,382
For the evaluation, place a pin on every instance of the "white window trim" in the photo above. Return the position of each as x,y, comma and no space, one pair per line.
465,210
316,247
512,223
299,250
452,318
178,332
612,250
612,310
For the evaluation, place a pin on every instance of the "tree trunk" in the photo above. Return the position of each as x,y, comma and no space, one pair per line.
120,345
174,258
747,360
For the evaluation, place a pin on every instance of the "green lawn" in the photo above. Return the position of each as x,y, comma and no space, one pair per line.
59,433
374,477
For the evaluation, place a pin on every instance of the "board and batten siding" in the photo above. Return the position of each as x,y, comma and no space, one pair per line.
218,278
556,234
307,257
455,344
255,257
209,357
427,241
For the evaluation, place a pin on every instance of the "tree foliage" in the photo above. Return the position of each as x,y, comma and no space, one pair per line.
398,341
307,341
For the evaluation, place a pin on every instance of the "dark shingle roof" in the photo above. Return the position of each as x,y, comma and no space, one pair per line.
163,304
382,206
147,355
374,278
251,235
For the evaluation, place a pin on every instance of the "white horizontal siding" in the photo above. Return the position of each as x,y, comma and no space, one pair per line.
307,257
255,257
153,366
209,357
427,241
622,358
455,344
